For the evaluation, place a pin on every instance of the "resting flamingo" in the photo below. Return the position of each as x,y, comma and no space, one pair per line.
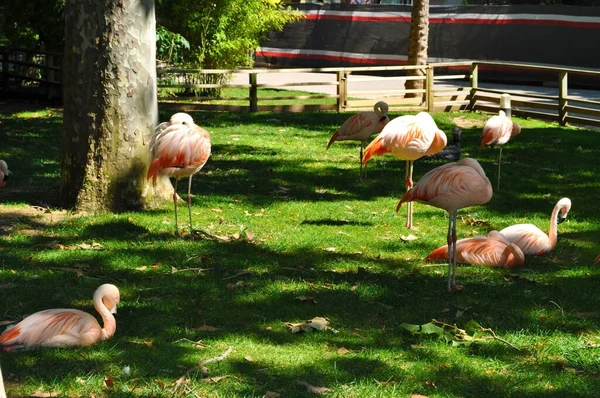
361,126
409,138
180,149
498,130
492,249
4,173
452,186
65,327
534,241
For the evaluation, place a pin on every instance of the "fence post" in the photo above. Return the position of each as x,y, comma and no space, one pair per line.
49,76
342,90
253,92
563,88
429,89
474,85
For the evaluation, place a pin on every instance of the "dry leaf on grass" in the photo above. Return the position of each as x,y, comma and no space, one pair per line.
41,393
217,379
109,382
207,328
313,389
271,394
343,351
249,358
317,323
408,238
309,299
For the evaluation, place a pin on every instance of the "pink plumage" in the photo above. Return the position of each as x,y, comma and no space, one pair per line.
361,126
492,250
534,241
408,137
498,130
452,186
65,327
180,149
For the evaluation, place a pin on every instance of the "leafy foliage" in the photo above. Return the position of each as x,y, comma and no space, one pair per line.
35,24
170,47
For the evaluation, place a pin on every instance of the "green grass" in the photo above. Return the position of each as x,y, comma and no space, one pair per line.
318,232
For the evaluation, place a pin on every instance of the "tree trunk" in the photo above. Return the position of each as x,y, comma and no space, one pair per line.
417,44
110,105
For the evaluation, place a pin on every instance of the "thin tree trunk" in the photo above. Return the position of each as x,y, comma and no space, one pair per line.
110,105
417,44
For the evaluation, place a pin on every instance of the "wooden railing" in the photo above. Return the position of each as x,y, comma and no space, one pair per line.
446,86
30,73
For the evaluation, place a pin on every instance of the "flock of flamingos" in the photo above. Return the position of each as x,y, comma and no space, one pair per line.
180,149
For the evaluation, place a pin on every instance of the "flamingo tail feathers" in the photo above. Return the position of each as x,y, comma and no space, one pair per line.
441,253
153,171
375,148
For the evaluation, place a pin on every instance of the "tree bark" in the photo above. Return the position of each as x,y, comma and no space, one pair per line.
417,44
110,105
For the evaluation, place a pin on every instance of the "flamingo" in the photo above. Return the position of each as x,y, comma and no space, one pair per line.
534,241
452,186
361,126
4,173
498,130
409,138
492,249
180,148
451,151
2,391
597,260
65,327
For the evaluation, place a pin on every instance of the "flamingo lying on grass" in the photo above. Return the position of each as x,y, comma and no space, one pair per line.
360,127
493,250
65,327
409,138
452,186
180,149
534,241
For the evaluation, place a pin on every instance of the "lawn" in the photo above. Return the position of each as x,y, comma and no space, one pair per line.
292,234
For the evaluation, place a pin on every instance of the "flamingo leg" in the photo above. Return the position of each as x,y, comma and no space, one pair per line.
452,286
409,184
362,146
189,201
175,204
499,164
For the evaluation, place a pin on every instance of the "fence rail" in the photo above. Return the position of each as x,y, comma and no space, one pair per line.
446,86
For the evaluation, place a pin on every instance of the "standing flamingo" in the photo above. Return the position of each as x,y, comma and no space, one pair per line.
361,126
498,130
493,250
65,327
534,241
409,138
452,186
180,149
4,173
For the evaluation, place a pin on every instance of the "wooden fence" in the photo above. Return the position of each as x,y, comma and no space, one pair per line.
446,87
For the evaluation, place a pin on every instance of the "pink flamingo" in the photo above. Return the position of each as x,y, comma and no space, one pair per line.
361,126
493,250
452,186
534,241
498,130
409,138
4,173
180,149
65,327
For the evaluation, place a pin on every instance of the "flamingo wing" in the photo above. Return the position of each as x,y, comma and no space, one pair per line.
358,127
529,238
54,328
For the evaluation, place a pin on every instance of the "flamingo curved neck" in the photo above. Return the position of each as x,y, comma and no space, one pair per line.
552,232
109,323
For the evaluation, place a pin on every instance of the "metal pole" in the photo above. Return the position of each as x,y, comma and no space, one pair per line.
505,104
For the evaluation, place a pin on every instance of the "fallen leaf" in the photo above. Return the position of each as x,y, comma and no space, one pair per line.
149,343
207,328
236,285
408,238
329,249
313,389
343,351
418,396
317,323
249,358
109,382
310,299
217,379
271,394
40,393
142,268
384,383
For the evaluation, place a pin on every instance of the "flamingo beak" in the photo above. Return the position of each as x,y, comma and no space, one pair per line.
561,219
